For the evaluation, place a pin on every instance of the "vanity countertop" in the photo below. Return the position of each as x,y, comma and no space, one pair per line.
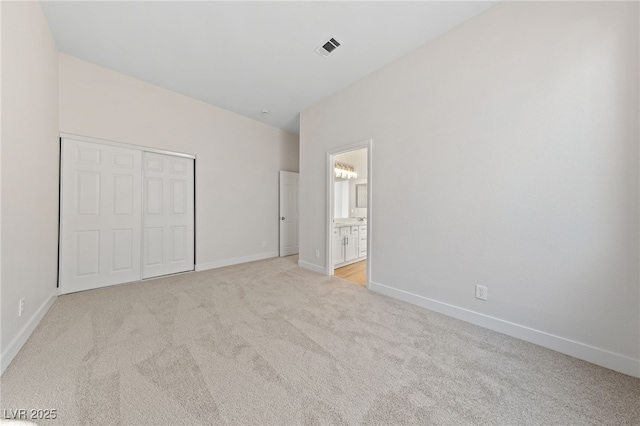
353,222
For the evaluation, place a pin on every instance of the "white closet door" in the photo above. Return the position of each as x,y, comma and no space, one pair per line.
168,215
100,215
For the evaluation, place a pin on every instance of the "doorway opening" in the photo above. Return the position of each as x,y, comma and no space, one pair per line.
349,213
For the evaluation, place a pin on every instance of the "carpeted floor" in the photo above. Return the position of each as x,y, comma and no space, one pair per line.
270,343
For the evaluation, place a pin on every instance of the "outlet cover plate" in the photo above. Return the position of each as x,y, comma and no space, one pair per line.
481,292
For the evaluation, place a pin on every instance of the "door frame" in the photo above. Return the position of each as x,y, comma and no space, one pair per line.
367,143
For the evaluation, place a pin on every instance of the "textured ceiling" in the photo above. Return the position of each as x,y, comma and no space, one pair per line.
250,56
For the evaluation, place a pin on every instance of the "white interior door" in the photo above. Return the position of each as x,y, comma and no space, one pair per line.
168,235
100,215
289,195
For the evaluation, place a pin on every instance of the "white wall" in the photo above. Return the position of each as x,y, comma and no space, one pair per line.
237,164
505,153
30,149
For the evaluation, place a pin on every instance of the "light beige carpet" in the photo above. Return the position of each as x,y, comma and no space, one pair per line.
270,343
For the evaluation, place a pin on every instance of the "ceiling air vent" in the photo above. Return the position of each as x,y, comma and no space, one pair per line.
327,47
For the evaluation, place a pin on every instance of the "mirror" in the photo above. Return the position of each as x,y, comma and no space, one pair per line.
361,195
341,200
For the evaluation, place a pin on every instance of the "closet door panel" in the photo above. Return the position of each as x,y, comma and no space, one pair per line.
87,250
123,249
101,214
168,213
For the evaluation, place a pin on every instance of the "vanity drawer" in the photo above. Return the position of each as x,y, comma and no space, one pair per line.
354,230
345,230
362,251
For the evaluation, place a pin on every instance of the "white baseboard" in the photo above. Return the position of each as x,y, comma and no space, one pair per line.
236,261
312,267
16,344
613,361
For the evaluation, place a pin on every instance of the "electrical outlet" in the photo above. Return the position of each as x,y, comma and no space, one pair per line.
481,292
21,307
317,254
